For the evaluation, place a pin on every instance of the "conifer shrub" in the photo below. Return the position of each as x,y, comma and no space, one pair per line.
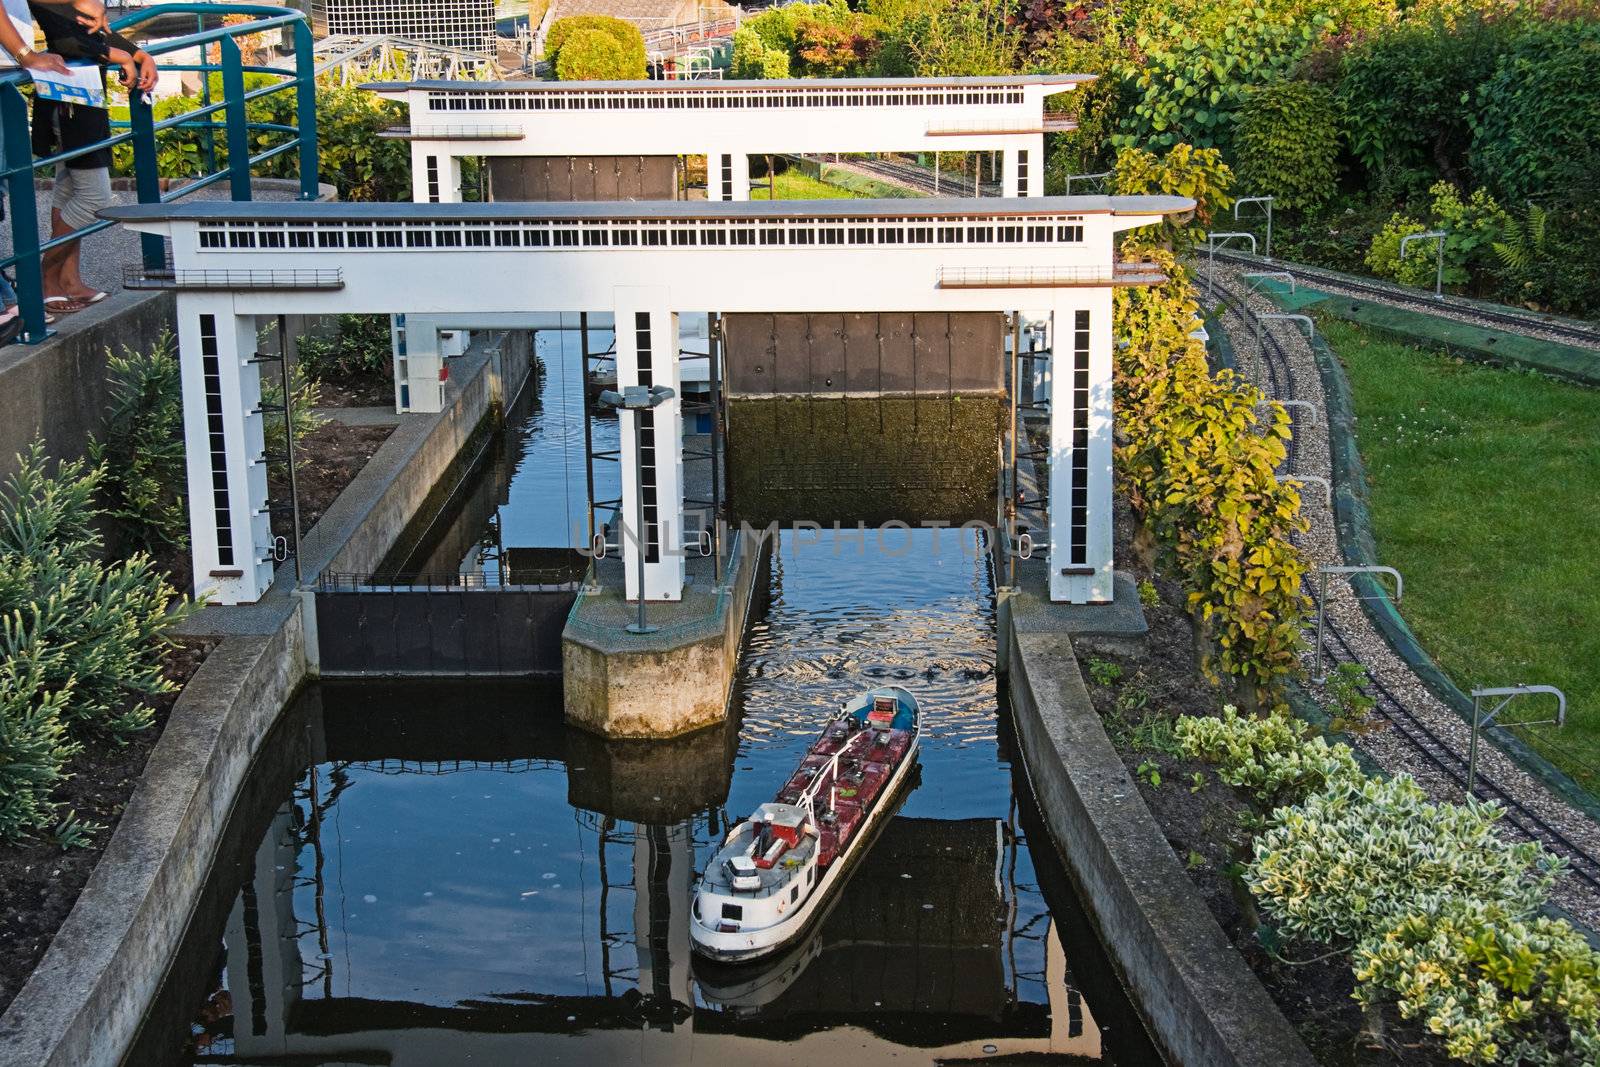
141,449
81,639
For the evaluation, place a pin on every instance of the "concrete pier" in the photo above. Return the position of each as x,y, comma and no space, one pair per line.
619,684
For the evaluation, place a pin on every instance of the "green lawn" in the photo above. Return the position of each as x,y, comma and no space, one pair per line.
792,185
1486,495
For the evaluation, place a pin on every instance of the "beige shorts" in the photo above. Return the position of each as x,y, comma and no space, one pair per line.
81,194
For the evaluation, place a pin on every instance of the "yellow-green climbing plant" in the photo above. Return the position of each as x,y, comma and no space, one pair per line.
1198,454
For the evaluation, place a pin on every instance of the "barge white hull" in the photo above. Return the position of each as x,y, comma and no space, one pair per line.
745,945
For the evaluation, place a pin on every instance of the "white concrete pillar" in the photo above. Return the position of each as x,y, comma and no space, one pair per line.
1022,169
647,354
230,532
1080,448
435,175
418,363
727,176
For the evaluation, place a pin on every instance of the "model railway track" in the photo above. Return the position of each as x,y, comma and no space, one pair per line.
921,178
1337,649
1505,318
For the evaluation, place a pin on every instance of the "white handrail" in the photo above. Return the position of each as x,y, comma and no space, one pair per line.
808,795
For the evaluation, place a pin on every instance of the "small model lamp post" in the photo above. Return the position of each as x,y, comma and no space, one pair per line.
637,399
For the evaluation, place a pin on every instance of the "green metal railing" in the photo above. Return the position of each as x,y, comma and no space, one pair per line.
142,130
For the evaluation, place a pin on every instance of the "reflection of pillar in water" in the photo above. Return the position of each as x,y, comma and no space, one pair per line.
265,968
663,870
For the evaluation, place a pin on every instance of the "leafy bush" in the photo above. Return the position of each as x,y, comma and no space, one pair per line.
307,398
1198,457
1287,143
1536,126
1402,90
1497,985
360,347
1188,81
620,57
141,449
1270,758
1549,257
97,626
1473,227
960,38
1198,173
1438,910
595,55
1352,860
753,59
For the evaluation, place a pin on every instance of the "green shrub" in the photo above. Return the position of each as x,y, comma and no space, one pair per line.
1536,124
1187,81
81,640
1437,909
1287,144
1498,986
360,347
1473,227
97,627
34,747
141,449
1352,860
1549,257
307,398
619,57
1270,758
1198,173
1402,90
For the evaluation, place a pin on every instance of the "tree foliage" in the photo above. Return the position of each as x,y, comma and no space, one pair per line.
1186,84
1287,143
1402,92
1472,228
1198,173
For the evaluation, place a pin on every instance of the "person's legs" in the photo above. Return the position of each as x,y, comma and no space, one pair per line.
50,263
80,196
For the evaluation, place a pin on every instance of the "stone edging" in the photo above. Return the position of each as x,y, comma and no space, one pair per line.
85,1000
1201,1002
1352,522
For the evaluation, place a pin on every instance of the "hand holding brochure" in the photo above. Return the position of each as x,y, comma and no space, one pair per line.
84,85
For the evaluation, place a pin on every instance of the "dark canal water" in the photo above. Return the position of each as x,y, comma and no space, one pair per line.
445,874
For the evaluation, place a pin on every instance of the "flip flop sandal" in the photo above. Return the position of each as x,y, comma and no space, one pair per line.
10,330
65,305
96,298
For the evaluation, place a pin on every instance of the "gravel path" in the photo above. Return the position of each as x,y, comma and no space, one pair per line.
1386,744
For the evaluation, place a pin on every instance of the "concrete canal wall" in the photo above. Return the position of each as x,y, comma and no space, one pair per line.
1200,1002
84,1002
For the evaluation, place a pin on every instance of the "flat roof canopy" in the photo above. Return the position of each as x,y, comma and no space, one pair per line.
930,208
1056,82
